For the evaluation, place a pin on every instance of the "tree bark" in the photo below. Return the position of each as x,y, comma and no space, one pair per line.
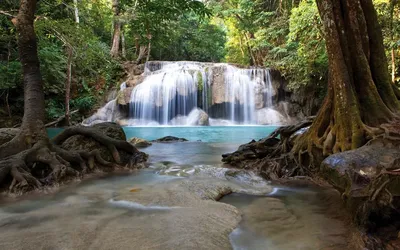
393,66
68,85
391,12
34,107
149,36
360,97
76,11
117,29
123,48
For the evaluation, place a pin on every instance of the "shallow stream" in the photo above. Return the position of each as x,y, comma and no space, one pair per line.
160,208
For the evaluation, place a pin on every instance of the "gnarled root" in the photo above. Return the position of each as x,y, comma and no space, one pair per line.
47,163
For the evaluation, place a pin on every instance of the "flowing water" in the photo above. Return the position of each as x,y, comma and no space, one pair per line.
180,93
157,208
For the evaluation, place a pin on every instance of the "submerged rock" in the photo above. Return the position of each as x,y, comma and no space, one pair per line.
139,142
170,139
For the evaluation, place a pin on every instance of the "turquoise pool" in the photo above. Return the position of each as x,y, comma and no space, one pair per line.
229,134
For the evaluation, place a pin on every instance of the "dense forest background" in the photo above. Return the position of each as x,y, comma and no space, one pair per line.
77,43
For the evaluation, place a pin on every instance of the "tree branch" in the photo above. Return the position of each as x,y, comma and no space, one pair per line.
7,14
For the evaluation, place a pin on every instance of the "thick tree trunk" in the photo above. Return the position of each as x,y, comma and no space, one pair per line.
19,157
360,97
34,107
117,29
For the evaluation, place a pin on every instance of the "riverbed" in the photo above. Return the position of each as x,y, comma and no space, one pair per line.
186,199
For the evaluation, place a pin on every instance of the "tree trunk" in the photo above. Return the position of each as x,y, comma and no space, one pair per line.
149,36
391,12
117,29
137,45
19,157
34,107
360,97
393,66
68,85
76,11
123,43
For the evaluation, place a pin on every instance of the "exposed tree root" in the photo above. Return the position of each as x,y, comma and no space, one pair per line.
45,163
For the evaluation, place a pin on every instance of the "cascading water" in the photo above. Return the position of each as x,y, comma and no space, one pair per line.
178,93
173,89
243,86
165,94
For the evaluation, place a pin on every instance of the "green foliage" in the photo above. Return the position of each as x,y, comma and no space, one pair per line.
190,39
84,103
305,61
388,14
285,35
10,74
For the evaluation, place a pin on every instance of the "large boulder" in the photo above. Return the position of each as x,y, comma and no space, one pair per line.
351,172
80,142
369,180
7,134
268,116
110,112
198,117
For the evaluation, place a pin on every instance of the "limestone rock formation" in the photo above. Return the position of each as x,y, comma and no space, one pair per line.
124,96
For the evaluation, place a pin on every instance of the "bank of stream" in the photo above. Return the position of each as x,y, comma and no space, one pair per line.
186,199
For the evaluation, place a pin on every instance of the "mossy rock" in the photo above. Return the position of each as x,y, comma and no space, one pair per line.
113,130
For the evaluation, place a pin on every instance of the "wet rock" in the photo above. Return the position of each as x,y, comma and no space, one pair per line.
110,112
139,142
218,85
113,130
170,139
124,96
267,116
198,117
134,80
7,134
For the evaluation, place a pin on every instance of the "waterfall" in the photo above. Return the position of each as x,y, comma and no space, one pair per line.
178,93
166,93
173,89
